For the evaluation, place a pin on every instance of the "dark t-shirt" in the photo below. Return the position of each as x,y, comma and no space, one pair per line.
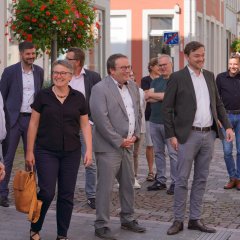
159,85
59,123
145,85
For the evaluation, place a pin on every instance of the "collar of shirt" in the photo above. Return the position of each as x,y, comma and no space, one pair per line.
30,72
118,84
80,75
192,72
236,76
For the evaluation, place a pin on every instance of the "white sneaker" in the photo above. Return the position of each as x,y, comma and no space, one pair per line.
136,184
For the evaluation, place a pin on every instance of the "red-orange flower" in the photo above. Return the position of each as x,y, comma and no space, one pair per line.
48,13
42,8
66,11
34,20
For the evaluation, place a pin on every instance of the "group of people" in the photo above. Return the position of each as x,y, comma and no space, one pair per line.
102,121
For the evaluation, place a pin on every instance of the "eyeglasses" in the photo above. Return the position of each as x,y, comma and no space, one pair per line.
71,59
163,65
62,74
125,68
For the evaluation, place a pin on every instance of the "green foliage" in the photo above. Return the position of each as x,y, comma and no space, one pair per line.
236,45
38,21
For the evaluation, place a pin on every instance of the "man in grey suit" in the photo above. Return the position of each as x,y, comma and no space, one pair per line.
192,114
19,84
115,110
83,80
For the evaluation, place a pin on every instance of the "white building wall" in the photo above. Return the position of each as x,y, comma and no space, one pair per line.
211,32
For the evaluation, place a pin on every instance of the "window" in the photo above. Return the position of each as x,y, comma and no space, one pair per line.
160,23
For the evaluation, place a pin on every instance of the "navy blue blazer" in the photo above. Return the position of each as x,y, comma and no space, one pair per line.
90,79
11,87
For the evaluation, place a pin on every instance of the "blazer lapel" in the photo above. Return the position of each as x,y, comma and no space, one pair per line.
116,94
20,80
190,83
87,86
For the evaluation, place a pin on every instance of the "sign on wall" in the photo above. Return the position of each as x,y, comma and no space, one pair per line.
171,38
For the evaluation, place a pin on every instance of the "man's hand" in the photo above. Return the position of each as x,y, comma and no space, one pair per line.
174,143
229,135
128,142
2,171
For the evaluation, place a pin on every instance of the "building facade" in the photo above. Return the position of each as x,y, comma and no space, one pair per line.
138,28
95,57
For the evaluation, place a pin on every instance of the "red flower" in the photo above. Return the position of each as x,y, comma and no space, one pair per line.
97,25
34,20
27,18
13,27
79,36
6,34
48,13
42,8
66,11
29,38
80,23
55,18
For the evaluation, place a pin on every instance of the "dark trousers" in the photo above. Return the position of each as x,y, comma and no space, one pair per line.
61,168
9,149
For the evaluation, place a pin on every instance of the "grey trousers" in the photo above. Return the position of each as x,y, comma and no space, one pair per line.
159,143
111,165
198,149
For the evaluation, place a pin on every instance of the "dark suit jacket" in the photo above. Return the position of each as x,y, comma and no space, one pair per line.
11,87
90,79
179,105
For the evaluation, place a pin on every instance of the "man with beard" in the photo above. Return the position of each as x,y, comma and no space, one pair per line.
19,84
192,110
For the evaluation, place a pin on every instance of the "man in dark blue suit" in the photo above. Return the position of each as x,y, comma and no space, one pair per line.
83,80
19,84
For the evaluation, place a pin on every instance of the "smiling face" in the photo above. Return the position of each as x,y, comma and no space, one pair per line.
121,71
61,75
28,56
165,67
233,66
196,59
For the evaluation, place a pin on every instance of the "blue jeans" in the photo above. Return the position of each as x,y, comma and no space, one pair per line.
159,143
90,172
232,168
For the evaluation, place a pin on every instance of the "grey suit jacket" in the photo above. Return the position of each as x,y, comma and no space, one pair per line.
110,116
11,87
179,105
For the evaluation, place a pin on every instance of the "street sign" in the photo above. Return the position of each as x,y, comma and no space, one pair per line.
171,38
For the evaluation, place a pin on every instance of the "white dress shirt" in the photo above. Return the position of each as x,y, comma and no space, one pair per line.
203,115
28,91
77,82
128,103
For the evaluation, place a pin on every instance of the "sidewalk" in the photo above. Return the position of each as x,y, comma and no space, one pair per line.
14,226
221,209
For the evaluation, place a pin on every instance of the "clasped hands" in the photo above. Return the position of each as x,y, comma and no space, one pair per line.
128,142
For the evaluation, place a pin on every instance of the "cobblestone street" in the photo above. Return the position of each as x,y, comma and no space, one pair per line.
221,207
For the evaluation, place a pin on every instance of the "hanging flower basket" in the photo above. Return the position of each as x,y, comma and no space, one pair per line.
72,22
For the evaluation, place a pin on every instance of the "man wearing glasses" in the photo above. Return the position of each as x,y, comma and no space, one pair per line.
155,97
115,108
83,80
19,84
